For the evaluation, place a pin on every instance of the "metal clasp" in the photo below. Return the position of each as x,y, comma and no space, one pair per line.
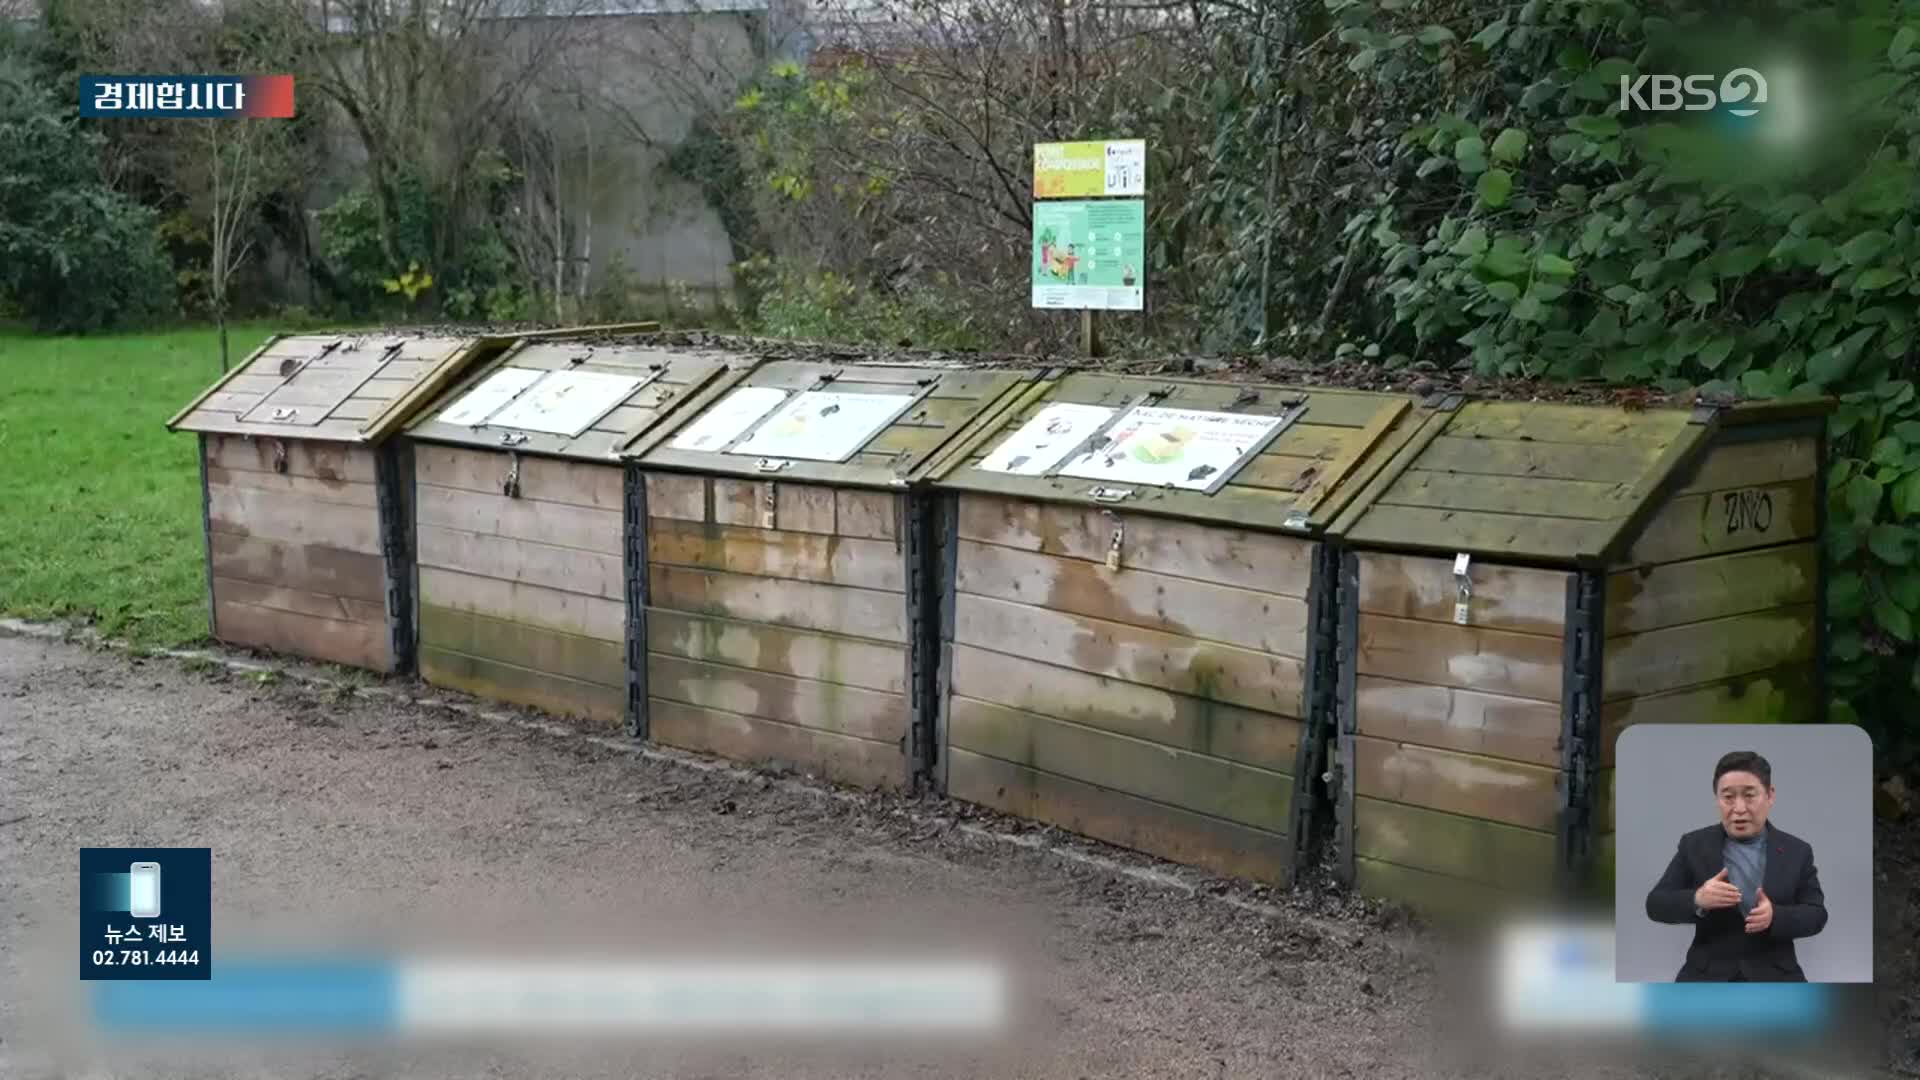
771,464
770,506
279,456
512,438
1463,585
1119,537
510,487
1105,494
1296,520
284,413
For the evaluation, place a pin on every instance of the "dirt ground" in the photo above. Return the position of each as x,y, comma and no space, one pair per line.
398,824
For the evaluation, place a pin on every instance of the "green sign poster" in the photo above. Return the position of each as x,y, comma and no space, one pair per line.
1090,254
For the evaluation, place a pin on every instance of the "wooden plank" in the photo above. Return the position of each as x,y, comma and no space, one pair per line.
1782,695
1700,589
355,644
1263,621
1530,421
1504,597
1468,784
1183,836
1715,522
1357,450
404,371
589,573
841,758
1224,556
1290,474
250,383
836,609
174,422
280,597
803,508
809,703
335,462
937,413
1466,720
1464,657
1508,495
351,575
1702,652
330,492
833,560
1510,535
603,707
1503,856
522,519
570,612
1179,778
905,439
226,402
1755,464
872,515
1202,669
543,479
823,657
1306,439
317,388
1452,901
743,502
536,648
676,496
1030,686
1606,464
295,518
358,408
627,419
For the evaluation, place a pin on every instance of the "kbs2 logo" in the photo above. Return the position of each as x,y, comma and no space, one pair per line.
1740,91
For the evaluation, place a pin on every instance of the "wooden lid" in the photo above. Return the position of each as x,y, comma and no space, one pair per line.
1246,454
581,399
340,387
870,425
1543,482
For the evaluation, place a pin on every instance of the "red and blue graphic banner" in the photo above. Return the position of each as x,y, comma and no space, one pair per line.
207,97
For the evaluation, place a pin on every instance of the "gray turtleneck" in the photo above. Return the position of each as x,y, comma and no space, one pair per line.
1747,868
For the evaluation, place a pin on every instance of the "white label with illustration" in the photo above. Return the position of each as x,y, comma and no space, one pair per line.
725,422
821,425
1179,448
566,402
495,390
1043,441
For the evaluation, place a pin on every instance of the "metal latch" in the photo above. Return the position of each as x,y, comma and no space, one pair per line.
1464,585
767,464
1106,494
1119,537
284,413
1296,519
512,438
770,507
279,456
510,487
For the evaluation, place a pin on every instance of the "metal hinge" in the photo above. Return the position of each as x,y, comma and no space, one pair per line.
1463,586
279,455
770,464
1119,537
512,438
510,487
284,413
1104,494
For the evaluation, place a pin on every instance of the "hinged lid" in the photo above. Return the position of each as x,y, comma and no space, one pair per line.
346,386
568,398
1275,457
874,425
1539,482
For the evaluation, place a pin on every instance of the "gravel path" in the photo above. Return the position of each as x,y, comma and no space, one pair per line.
398,822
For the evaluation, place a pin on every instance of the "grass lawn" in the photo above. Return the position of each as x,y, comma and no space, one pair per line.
99,504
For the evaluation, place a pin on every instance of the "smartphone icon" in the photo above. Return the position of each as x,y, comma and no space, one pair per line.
144,890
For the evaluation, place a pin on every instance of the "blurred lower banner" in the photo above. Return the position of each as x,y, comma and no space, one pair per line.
346,997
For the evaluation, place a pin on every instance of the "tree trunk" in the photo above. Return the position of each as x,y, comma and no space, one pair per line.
220,318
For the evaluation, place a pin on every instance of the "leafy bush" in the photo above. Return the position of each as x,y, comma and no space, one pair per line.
75,256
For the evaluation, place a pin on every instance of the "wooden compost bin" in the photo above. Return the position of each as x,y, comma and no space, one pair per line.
787,588
1622,567
304,509
524,569
1133,651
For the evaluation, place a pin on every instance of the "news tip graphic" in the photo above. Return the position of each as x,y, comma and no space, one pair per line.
187,97
146,913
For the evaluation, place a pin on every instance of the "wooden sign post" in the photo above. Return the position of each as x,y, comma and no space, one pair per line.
1089,230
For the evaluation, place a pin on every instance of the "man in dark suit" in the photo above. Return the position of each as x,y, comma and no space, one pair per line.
1747,888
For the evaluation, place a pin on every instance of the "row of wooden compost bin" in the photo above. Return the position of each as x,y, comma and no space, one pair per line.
1209,621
